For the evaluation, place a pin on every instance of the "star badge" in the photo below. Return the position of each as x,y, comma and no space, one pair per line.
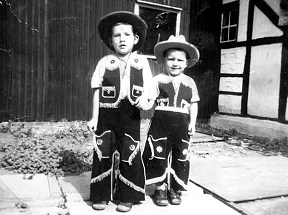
159,149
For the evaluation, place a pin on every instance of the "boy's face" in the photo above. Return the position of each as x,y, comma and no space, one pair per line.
175,61
123,39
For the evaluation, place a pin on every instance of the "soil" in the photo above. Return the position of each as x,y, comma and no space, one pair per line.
222,149
232,145
200,150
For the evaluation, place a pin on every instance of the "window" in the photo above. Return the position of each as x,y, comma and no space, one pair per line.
162,22
229,23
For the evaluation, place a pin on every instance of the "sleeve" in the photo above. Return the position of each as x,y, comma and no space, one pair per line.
150,84
97,77
195,95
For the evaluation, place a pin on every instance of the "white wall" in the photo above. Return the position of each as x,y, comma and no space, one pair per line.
232,62
264,84
231,84
229,104
263,27
243,18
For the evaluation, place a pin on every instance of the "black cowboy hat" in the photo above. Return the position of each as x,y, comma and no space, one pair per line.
138,24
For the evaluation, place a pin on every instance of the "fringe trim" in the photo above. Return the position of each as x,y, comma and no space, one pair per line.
169,171
101,177
172,109
163,78
111,105
114,172
130,184
178,180
108,63
157,179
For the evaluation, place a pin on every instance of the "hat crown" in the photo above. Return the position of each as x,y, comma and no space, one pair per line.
178,39
177,42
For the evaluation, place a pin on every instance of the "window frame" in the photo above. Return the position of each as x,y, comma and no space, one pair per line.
161,7
229,8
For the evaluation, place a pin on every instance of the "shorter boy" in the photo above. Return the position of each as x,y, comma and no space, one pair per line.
166,151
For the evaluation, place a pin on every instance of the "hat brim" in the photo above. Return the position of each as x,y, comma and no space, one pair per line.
138,24
191,50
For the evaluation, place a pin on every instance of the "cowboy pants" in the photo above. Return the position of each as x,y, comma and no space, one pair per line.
118,132
166,150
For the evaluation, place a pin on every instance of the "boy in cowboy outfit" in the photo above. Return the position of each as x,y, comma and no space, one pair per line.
120,84
166,151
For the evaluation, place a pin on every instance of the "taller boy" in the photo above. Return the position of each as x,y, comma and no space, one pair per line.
120,83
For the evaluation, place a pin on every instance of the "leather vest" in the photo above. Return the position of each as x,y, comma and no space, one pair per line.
111,86
169,98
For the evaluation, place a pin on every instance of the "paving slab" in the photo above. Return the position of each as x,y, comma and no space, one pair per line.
242,179
39,193
193,202
36,188
48,210
7,198
76,188
275,206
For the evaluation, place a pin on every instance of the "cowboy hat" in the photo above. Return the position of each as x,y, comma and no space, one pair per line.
177,43
109,20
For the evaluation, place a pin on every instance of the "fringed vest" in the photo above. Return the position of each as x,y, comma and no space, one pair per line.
170,100
111,86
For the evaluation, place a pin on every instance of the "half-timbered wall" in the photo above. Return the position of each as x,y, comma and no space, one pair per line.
253,77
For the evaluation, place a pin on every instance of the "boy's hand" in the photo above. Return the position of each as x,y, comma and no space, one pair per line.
92,125
191,129
143,103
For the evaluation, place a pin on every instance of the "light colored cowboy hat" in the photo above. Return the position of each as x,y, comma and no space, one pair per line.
178,43
109,20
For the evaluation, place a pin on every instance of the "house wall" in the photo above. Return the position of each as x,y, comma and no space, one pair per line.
251,69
